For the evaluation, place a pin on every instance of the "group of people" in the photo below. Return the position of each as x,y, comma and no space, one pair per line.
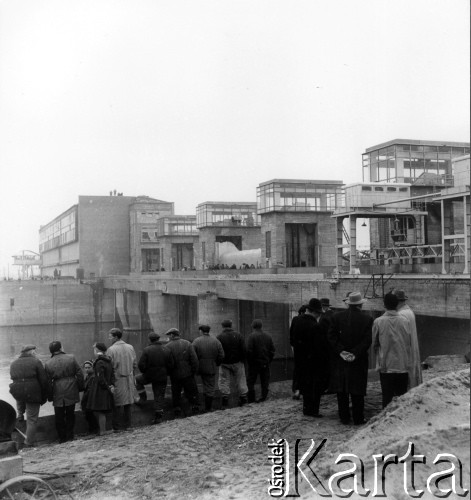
330,356
331,353
110,384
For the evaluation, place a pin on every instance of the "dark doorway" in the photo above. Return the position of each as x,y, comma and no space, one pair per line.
300,240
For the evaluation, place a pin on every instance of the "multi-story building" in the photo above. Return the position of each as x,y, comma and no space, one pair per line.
168,244
144,215
297,228
93,238
219,222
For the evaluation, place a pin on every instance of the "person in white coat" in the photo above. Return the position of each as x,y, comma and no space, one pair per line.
123,359
415,372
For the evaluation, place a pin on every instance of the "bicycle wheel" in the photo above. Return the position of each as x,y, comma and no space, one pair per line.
26,488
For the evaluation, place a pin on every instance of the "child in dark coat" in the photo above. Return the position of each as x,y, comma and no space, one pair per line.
89,416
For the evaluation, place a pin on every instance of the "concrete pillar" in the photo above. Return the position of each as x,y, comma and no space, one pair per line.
212,310
445,209
339,243
162,310
465,234
120,307
353,242
133,309
276,321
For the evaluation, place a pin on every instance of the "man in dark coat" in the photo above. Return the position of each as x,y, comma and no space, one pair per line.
310,342
210,355
154,364
29,388
232,367
260,353
350,337
66,378
182,375
295,384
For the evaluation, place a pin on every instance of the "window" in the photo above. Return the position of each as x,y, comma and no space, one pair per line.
379,189
366,188
392,189
268,244
403,190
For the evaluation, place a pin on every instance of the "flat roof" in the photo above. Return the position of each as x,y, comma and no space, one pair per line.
60,216
388,184
228,203
301,181
416,142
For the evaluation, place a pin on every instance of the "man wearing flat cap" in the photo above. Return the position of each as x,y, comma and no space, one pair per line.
29,388
310,344
210,355
182,375
232,367
123,359
66,378
154,365
350,336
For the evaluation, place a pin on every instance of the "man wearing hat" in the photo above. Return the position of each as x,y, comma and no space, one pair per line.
153,364
310,342
326,310
350,337
123,359
66,379
182,375
415,372
210,355
232,367
29,388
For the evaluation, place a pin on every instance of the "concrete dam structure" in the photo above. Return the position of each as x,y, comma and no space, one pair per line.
80,313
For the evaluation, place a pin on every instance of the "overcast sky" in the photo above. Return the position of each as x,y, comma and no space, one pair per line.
190,101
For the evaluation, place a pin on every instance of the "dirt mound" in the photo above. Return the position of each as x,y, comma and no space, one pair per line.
434,417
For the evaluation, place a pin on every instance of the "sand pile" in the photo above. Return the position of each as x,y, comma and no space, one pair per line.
434,417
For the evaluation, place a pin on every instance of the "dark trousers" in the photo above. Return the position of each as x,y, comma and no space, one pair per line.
158,388
255,371
295,384
393,384
188,384
120,423
358,405
312,391
65,422
91,421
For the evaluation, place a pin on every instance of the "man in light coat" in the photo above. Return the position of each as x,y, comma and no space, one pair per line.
415,371
66,379
123,360
392,346
210,355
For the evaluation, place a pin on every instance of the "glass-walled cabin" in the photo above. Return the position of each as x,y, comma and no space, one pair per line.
299,196
412,161
226,214
173,225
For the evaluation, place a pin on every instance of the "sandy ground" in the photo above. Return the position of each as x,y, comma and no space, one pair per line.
223,454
